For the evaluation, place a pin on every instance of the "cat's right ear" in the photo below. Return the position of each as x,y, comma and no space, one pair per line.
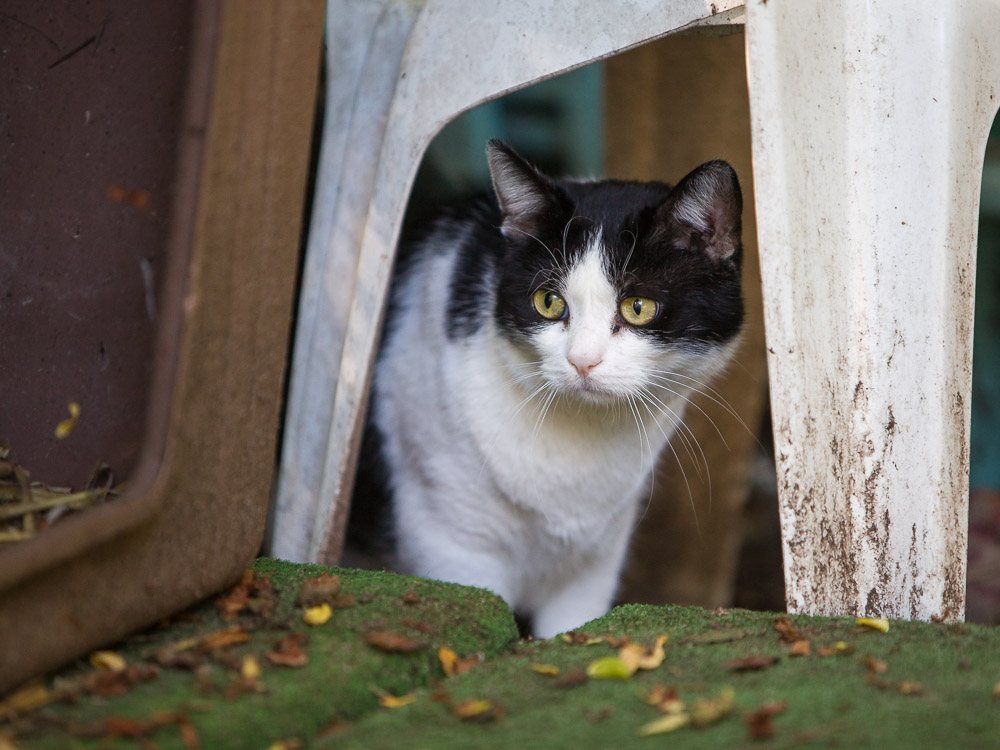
526,197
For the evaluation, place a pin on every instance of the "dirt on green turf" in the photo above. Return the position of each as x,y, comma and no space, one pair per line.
397,662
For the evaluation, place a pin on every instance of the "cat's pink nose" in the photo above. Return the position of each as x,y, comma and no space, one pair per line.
584,364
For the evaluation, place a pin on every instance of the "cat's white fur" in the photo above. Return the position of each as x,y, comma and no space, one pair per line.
512,470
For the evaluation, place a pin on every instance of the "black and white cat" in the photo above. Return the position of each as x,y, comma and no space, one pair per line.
539,353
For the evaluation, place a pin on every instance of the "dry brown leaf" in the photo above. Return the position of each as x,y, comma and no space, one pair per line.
571,679
232,602
666,699
875,665
787,632
344,601
760,724
393,643
411,597
597,715
800,647
478,710
840,648
751,663
321,589
288,652
220,639
106,684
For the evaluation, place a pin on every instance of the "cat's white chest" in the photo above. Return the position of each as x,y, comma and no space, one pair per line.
574,467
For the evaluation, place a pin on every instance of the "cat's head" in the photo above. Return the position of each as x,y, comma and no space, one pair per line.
617,288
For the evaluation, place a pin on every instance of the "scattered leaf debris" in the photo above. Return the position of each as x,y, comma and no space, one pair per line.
875,623
64,428
580,639
393,643
800,647
548,670
318,615
317,590
29,507
572,678
719,635
452,665
840,648
388,700
751,663
787,632
760,723
288,652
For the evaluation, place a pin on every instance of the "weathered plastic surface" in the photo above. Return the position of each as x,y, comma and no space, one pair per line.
397,72
194,514
870,123
869,127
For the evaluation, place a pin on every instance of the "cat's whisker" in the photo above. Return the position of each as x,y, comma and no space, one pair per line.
651,473
549,249
507,419
705,390
659,383
684,431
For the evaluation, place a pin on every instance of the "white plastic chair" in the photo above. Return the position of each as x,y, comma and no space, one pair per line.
870,122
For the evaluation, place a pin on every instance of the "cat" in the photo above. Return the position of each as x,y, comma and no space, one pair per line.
539,351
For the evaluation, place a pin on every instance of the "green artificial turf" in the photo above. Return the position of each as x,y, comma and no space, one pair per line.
936,690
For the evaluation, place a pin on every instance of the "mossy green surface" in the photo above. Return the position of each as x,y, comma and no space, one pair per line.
936,692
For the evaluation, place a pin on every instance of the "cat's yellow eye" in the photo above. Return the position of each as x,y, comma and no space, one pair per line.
549,304
638,311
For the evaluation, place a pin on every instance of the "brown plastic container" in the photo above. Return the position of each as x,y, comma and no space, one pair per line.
152,181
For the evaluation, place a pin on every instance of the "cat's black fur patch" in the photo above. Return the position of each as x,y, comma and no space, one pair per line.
701,302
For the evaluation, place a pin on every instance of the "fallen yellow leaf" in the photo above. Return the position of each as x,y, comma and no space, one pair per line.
996,690
28,698
393,701
550,670
292,744
875,623
472,708
610,668
664,724
317,615
636,657
250,668
710,710
64,428
448,659
6,743
108,660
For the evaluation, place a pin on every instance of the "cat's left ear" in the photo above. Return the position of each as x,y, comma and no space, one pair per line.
526,196
706,208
